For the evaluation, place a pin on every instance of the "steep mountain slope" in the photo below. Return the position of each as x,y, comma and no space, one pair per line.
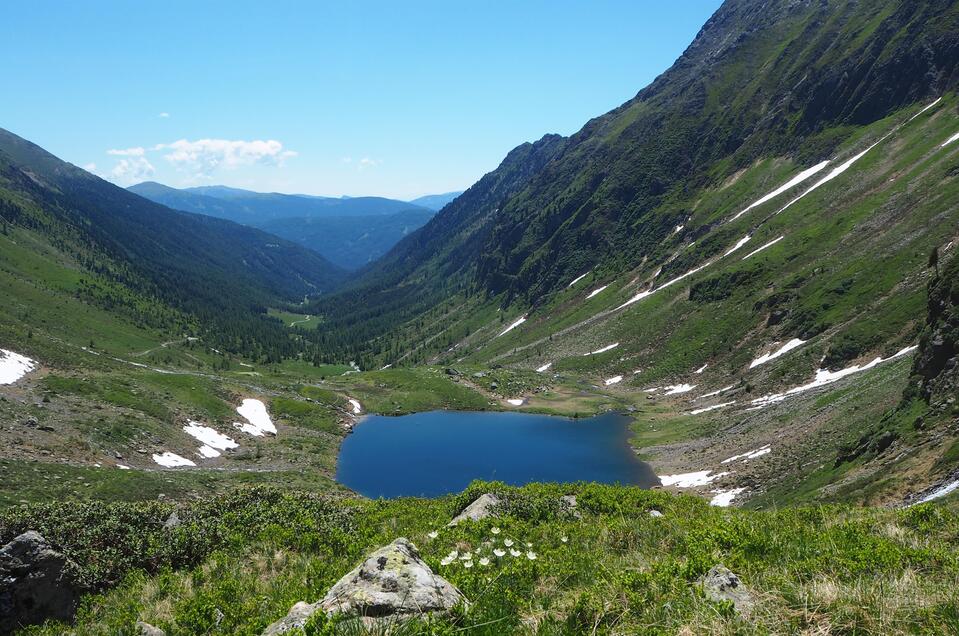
135,255
350,232
760,80
740,243
436,201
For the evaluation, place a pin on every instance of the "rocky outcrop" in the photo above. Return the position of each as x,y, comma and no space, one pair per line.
36,583
391,585
484,506
937,362
720,584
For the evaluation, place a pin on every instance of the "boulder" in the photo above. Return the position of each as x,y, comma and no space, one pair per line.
655,513
173,521
567,505
481,508
146,629
391,585
36,583
721,584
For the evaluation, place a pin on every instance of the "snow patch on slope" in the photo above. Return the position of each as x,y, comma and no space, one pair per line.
690,480
711,408
772,355
516,324
213,441
254,411
799,178
824,377
171,460
14,366
596,291
759,249
602,349
616,379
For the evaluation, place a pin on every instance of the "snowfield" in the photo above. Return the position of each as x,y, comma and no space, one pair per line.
824,377
254,411
603,349
678,388
738,244
171,460
711,408
942,491
690,480
596,291
723,498
357,407
753,454
578,278
516,401
759,249
716,392
799,178
516,324
772,355
545,367
213,441
14,366
616,379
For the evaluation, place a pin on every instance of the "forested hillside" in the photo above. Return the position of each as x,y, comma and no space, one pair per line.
161,267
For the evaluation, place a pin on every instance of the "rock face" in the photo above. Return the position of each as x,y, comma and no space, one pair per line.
36,583
392,584
483,507
720,584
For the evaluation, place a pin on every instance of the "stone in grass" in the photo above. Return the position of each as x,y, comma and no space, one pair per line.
484,506
146,629
568,506
721,584
391,585
655,513
36,583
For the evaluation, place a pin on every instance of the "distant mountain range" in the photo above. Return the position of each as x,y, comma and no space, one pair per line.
349,231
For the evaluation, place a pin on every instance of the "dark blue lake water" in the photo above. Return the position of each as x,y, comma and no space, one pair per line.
439,452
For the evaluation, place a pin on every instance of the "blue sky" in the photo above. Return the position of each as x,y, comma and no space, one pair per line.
394,99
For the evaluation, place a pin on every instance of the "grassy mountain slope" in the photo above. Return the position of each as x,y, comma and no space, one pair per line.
138,255
661,204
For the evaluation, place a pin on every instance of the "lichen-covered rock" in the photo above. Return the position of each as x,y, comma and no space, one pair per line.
721,584
36,583
568,506
295,619
146,629
392,584
484,506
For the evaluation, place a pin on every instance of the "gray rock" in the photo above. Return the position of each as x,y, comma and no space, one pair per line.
295,619
172,521
567,505
484,506
36,583
655,513
721,584
391,585
146,629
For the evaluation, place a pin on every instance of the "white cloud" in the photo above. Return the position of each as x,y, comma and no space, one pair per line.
163,115
130,171
204,156
347,159
127,152
366,162
90,167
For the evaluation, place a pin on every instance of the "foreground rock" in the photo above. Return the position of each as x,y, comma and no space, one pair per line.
146,629
721,584
36,583
391,585
569,507
484,506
